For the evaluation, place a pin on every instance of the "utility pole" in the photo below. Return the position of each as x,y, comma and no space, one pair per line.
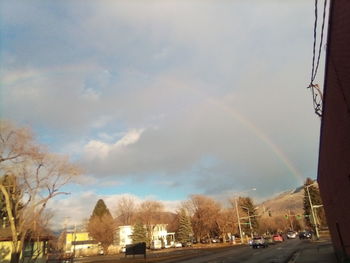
312,211
238,218
239,222
291,221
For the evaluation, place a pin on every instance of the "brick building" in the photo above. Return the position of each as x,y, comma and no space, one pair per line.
334,156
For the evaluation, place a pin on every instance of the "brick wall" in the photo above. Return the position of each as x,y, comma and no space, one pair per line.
334,158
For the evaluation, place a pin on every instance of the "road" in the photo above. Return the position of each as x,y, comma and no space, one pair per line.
278,253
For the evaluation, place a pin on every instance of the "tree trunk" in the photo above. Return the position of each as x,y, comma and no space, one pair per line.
15,257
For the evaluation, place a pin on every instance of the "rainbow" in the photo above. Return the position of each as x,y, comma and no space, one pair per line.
258,133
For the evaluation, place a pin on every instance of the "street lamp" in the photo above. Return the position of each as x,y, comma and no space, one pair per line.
312,209
238,218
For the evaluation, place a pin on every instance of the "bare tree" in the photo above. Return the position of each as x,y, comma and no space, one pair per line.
29,178
226,223
205,212
150,214
102,229
126,211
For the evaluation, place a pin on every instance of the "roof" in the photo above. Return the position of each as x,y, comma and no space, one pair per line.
6,235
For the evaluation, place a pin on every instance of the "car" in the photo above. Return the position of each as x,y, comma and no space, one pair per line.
259,242
187,244
277,238
177,245
305,235
291,234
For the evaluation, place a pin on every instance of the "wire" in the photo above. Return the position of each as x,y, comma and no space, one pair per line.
321,40
315,90
314,46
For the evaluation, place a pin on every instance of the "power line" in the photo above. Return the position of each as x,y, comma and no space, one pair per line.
315,90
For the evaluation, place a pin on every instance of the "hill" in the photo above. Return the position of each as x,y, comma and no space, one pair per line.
287,202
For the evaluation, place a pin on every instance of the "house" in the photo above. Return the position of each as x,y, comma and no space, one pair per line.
159,233
34,248
124,236
76,242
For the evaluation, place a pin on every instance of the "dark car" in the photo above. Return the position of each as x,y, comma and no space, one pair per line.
187,244
259,242
305,235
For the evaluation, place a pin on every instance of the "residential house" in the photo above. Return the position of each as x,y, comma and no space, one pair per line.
160,233
77,242
34,248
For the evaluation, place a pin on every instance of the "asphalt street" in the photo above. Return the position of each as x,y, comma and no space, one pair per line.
278,253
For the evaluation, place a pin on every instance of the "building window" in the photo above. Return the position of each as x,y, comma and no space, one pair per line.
28,249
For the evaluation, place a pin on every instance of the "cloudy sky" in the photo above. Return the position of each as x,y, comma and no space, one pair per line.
162,98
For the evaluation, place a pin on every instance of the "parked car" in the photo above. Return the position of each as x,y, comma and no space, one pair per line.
291,234
178,245
305,235
187,244
277,238
259,242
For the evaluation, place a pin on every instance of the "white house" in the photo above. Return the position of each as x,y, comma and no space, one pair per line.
160,235
124,235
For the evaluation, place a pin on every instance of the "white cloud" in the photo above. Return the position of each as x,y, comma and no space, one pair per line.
100,150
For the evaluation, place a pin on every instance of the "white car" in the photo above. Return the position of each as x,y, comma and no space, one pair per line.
178,244
291,234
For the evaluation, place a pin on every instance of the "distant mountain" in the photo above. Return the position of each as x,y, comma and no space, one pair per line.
288,201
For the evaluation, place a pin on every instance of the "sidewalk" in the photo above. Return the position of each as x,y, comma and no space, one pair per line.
318,252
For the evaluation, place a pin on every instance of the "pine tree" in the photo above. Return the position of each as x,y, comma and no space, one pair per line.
184,232
315,200
101,225
100,209
139,233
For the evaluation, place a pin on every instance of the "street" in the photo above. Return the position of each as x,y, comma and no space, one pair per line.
277,253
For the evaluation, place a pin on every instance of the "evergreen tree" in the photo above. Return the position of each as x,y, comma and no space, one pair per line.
315,200
100,209
101,225
184,232
139,233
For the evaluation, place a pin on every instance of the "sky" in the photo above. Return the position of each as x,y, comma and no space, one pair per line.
161,99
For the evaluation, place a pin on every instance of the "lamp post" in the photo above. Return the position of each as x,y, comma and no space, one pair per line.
312,210
238,218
